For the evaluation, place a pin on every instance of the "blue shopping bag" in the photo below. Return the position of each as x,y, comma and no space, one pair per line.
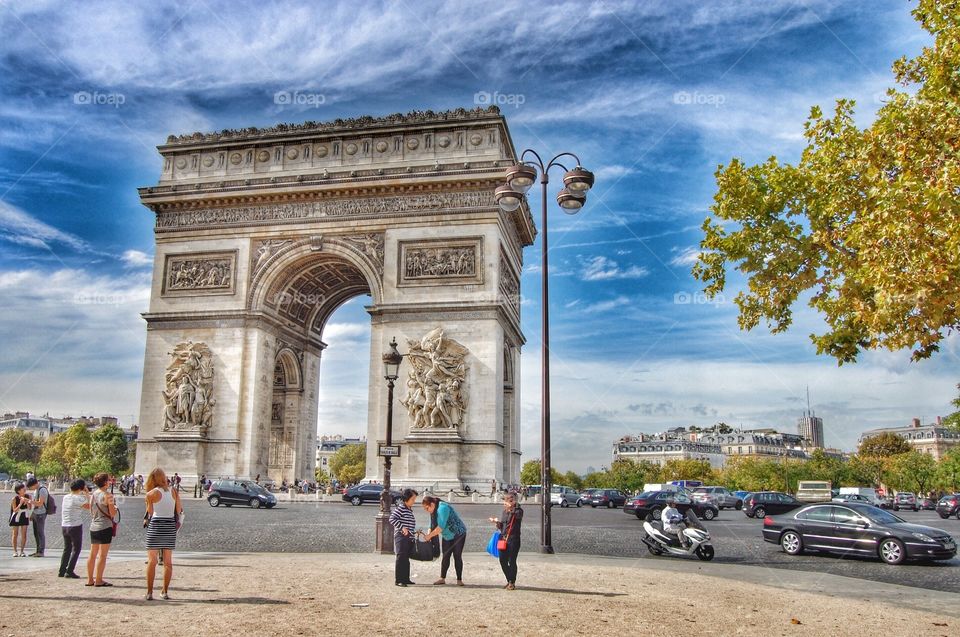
492,544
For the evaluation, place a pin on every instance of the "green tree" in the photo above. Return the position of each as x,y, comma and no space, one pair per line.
109,449
597,480
686,469
62,448
820,466
20,445
752,474
948,470
530,474
953,420
883,445
321,476
868,221
349,463
913,471
572,480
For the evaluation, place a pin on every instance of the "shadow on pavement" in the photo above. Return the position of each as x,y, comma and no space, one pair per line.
256,601
538,589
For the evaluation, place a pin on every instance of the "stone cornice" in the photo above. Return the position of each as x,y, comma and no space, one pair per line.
352,125
457,311
229,319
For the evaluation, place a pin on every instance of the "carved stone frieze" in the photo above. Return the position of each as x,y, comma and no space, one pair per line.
441,261
436,397
297,211
199,273
188,390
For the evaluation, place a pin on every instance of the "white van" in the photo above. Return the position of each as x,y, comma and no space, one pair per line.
656,486
814,491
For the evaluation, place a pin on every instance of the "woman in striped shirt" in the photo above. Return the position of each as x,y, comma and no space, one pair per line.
404,525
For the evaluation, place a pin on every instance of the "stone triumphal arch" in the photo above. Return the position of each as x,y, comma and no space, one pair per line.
262,233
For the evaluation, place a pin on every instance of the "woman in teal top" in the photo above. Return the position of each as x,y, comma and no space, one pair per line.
454,533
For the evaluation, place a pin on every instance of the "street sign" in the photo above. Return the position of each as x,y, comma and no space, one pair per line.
389,451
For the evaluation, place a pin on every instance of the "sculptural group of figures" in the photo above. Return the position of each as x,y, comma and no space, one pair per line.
200,274
440,262
188,394
435,397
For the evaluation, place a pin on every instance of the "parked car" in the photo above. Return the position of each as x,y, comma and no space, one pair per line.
885,502
241,492
928,504
949,505
564,497
610,498
857,529
905,500
587,495
361,493
773,502
852,497
653,502
720,496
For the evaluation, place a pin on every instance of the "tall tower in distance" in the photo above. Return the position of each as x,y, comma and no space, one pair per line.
810,426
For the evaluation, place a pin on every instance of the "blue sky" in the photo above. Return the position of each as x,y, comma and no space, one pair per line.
652,96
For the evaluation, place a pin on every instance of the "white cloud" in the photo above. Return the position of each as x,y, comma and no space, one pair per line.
136,258
606,306
18,226
601,268
684,257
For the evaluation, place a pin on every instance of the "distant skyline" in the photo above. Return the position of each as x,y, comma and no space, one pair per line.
652,96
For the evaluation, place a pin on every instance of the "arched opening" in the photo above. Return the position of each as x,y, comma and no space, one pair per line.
298,292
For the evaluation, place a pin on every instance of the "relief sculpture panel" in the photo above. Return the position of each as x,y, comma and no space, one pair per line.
435,384
188,389
441,261
193,274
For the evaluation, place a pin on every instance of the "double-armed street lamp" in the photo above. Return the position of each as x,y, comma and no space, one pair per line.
391,369
571,198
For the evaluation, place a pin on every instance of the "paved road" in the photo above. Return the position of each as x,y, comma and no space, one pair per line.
339,528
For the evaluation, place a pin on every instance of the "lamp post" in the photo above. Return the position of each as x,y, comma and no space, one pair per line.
391,367
577,181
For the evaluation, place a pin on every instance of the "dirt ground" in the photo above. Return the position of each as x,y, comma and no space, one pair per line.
311,594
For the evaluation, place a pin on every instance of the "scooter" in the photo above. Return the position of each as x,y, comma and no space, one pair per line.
660,542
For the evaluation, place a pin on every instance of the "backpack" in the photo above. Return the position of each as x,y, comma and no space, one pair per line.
51,503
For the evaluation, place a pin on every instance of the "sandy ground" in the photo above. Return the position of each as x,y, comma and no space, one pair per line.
311,594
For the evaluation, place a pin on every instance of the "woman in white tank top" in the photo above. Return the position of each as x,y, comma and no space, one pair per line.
164,511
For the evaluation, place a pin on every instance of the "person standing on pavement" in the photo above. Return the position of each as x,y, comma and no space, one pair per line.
454,533
164,510
71,525
509,528
19,519
39,516
404,525
103,510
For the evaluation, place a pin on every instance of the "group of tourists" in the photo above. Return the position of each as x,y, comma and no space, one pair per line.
162,519
445,523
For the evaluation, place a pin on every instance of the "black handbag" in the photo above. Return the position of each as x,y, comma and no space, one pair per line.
422,551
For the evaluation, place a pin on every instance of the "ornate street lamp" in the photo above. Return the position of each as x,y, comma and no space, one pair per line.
577,181
391,369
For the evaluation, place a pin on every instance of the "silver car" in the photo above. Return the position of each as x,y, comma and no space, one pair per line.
564,497
720,497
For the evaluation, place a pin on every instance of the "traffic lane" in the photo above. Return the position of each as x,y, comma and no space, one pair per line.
737,539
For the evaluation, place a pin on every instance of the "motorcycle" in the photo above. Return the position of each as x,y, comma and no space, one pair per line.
660,542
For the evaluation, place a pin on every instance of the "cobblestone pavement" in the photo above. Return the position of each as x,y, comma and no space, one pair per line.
341,528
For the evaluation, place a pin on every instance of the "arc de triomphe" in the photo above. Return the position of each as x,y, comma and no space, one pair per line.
262,233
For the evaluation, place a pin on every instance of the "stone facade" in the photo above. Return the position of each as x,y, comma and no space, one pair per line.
262,233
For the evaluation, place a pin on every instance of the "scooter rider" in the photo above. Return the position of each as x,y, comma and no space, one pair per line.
672,521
